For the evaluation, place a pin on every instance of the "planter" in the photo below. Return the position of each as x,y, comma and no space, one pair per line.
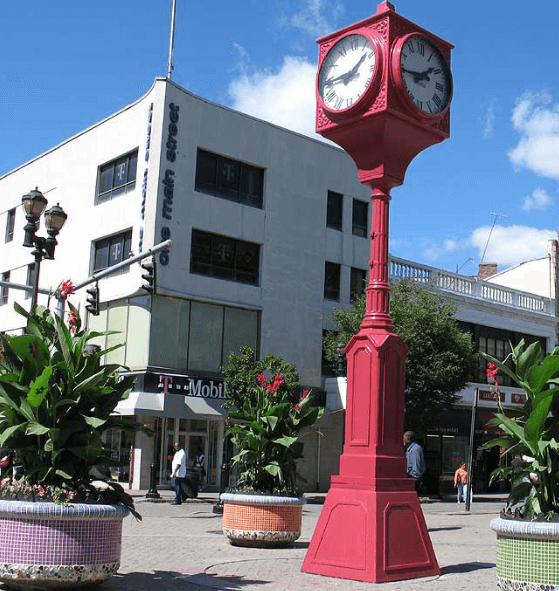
260,521
527,555
47,545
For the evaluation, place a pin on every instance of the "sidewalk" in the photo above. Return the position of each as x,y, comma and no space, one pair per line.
182,548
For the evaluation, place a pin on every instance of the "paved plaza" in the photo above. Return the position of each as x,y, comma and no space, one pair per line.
182,548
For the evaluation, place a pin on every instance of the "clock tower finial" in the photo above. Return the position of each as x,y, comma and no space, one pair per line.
385,6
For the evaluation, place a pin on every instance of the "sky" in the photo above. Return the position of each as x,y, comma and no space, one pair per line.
489,193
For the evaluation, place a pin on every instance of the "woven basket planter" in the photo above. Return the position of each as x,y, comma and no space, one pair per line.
45,545
527,555
261,521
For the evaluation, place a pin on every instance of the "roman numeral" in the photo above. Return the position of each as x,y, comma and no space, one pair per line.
439,86
437,100
437,71
410,47
339,103
421,49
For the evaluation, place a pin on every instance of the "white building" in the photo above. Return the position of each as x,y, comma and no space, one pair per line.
269,231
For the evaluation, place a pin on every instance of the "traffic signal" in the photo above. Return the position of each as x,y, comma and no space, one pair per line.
150,275
92,301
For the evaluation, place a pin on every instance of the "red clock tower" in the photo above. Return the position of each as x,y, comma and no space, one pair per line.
383,94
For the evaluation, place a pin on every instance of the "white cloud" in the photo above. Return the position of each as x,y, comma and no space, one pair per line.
510,245
537,120
538,200
433,251
315,17
285,97
489,127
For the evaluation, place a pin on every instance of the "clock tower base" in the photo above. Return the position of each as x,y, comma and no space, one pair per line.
368,534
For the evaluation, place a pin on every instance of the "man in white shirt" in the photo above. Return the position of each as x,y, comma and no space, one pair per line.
178,468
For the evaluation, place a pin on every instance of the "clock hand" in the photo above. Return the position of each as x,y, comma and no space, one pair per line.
346,76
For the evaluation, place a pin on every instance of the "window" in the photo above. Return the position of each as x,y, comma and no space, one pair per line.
224,257
360,215
332,281
357,285
229,179
10,223
4,290
117,177
496,342
112,250
334,211
30,278
198,336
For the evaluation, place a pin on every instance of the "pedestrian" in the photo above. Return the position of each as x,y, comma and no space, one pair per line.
200,463
178,468
414,458
461,482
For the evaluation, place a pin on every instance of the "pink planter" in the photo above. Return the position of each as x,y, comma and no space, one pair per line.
50,545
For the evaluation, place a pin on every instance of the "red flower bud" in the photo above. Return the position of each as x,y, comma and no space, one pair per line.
66,289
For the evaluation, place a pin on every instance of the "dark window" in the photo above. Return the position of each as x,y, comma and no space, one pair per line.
332,281
4,291
117,177
359,219
30,278
10,223
112,250
229,179
357,286
334,212
497,342
224,257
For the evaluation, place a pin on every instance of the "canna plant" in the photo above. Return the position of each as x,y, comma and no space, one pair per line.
533,438
56,401
269,413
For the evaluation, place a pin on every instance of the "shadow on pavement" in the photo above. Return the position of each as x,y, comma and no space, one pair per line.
444,528
466,567
176,581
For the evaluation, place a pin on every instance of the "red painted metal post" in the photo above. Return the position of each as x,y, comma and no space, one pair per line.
372,527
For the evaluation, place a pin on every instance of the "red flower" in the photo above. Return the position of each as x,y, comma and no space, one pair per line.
496,383
297,406
261,379
66,289
72,320
304,394
35,351
278,381
492,370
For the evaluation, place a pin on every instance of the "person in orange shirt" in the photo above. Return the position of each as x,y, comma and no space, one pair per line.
461,481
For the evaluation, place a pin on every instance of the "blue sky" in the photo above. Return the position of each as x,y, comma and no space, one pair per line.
65,65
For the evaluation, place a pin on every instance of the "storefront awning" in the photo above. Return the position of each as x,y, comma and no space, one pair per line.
458,421
171,405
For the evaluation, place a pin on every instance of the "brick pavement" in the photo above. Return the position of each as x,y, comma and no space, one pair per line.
182,548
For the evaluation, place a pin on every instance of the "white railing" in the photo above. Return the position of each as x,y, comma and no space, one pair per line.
470,286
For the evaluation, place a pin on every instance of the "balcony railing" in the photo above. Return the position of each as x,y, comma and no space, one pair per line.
469,286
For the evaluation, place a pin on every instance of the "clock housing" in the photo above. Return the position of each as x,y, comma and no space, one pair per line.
349,73
421,76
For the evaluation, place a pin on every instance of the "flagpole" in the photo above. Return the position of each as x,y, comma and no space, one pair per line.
170,65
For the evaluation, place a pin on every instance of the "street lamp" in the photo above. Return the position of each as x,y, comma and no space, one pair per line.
34,204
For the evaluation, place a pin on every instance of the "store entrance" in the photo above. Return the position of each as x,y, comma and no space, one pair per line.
198,437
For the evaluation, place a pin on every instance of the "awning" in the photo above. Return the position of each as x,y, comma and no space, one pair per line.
458,421
171,405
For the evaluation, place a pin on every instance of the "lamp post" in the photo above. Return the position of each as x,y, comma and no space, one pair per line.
34,204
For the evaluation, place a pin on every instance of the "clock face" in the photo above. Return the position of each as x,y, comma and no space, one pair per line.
346,72
426,75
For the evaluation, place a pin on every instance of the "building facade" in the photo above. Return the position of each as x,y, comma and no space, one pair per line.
269,230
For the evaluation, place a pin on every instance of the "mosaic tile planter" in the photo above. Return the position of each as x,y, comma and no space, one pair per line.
527,555
44,545
261,521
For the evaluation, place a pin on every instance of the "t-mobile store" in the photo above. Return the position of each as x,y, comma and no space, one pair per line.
180,408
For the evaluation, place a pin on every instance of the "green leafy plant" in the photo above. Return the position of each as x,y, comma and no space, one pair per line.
532,438
270,412
56,401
